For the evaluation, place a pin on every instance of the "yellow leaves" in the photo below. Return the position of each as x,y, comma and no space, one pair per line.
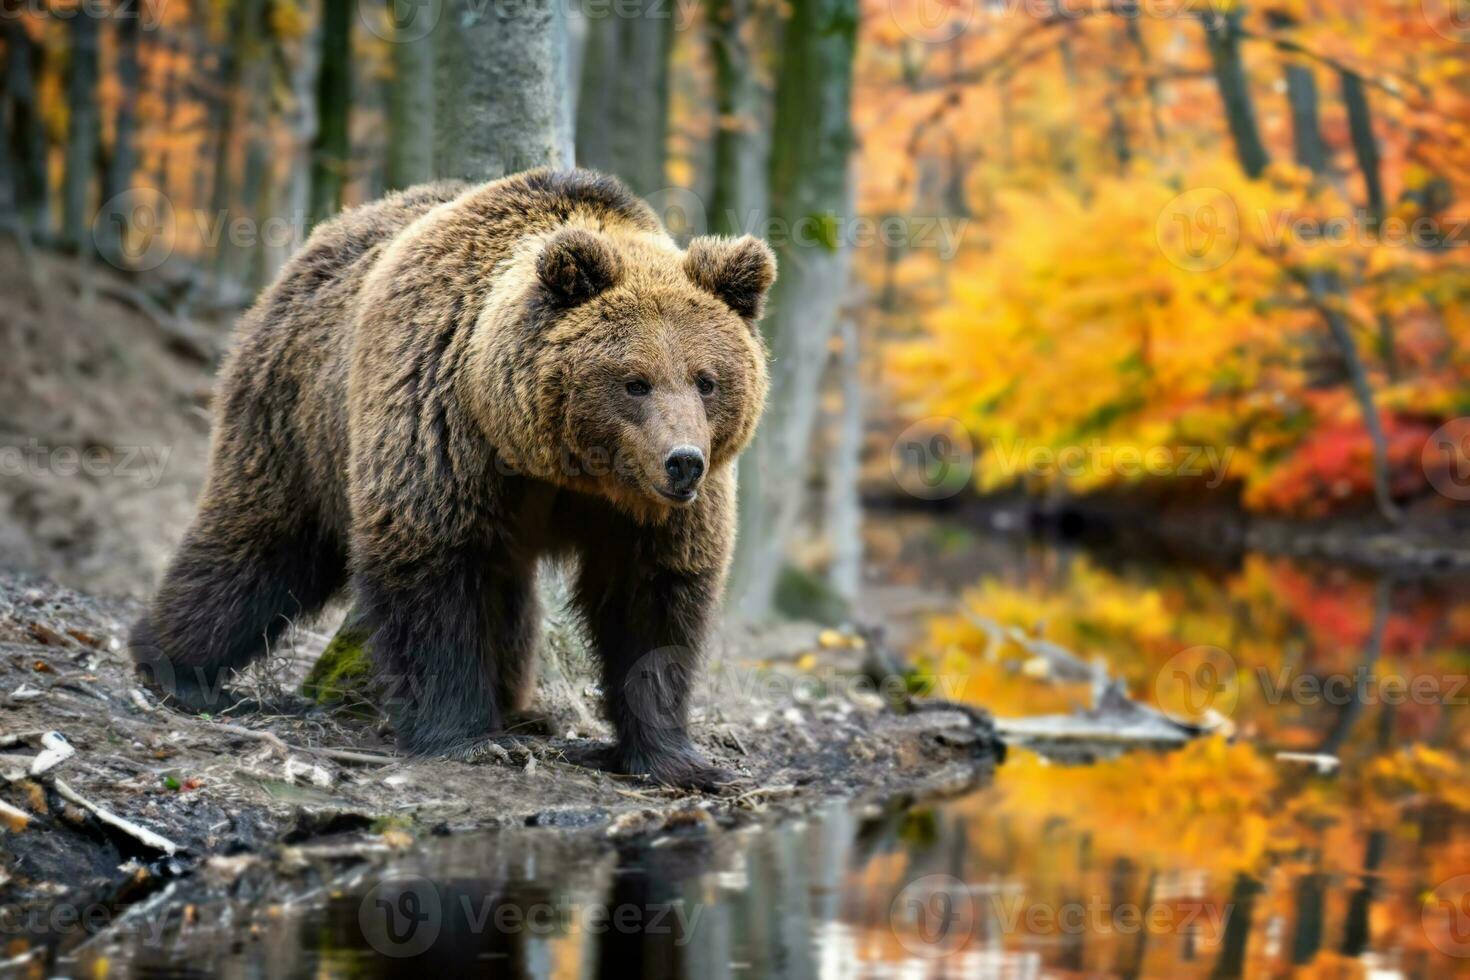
1421,771
1204,805
289,20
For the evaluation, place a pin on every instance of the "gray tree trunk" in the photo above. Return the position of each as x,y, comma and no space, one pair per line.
1145,61
843,510
82,129
24,129
123,159
623,100
738,198
1327,292
1222,36
169,86
222,128
1324,295
411,102
1365,144
1301,97
241,259
304,62
810,201
501,80
331,150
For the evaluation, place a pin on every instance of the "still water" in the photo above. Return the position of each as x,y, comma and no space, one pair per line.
1322,832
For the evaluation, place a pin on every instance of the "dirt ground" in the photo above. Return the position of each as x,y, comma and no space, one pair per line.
109,796
104,429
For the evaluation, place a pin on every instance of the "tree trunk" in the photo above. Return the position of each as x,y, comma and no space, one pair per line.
503,103
502,108
1117,125
333,109
221,125
81,134
737,201
1364,683
843,509
237,244
1222,36
124,157
1145,61
411,103
809,200
623,102
168,85
599,64
1322,289
24,128
1301,97
1365,144
1234,944
1325,290
304,63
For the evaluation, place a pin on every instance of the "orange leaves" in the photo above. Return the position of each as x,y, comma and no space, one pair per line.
1333,466
1154,298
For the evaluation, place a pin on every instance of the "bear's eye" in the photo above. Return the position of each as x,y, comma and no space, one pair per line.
705,384
639,388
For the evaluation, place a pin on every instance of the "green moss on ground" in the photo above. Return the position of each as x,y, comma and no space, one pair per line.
343,675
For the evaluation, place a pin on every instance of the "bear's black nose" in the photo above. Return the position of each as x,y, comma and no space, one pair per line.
685,465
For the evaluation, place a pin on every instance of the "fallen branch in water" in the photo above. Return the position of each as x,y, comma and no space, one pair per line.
1114,718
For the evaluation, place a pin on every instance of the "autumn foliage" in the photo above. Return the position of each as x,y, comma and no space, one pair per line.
1123,278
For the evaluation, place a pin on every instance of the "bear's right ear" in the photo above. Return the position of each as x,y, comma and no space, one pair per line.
576,265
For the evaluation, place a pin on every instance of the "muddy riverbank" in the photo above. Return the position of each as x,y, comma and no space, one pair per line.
146,797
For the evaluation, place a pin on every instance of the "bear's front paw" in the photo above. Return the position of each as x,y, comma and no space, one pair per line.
681,769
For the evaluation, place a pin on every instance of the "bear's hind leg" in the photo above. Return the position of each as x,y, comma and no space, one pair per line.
235,583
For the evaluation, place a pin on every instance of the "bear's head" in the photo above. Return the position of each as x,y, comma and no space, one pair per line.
648,367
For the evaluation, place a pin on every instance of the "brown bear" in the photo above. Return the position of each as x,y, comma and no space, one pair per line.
441,390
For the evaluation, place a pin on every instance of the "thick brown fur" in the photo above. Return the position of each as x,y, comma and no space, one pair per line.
443,389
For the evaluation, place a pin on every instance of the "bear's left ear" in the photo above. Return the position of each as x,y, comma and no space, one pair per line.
737,270
576,265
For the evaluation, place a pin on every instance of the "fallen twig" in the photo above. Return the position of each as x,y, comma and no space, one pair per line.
760,791
13,817
55,750
141,834
19,738
286,748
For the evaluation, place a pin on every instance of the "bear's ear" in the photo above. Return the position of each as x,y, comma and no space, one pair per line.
576,265
737,270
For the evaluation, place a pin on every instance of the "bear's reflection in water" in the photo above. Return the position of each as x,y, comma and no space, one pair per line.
948,890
